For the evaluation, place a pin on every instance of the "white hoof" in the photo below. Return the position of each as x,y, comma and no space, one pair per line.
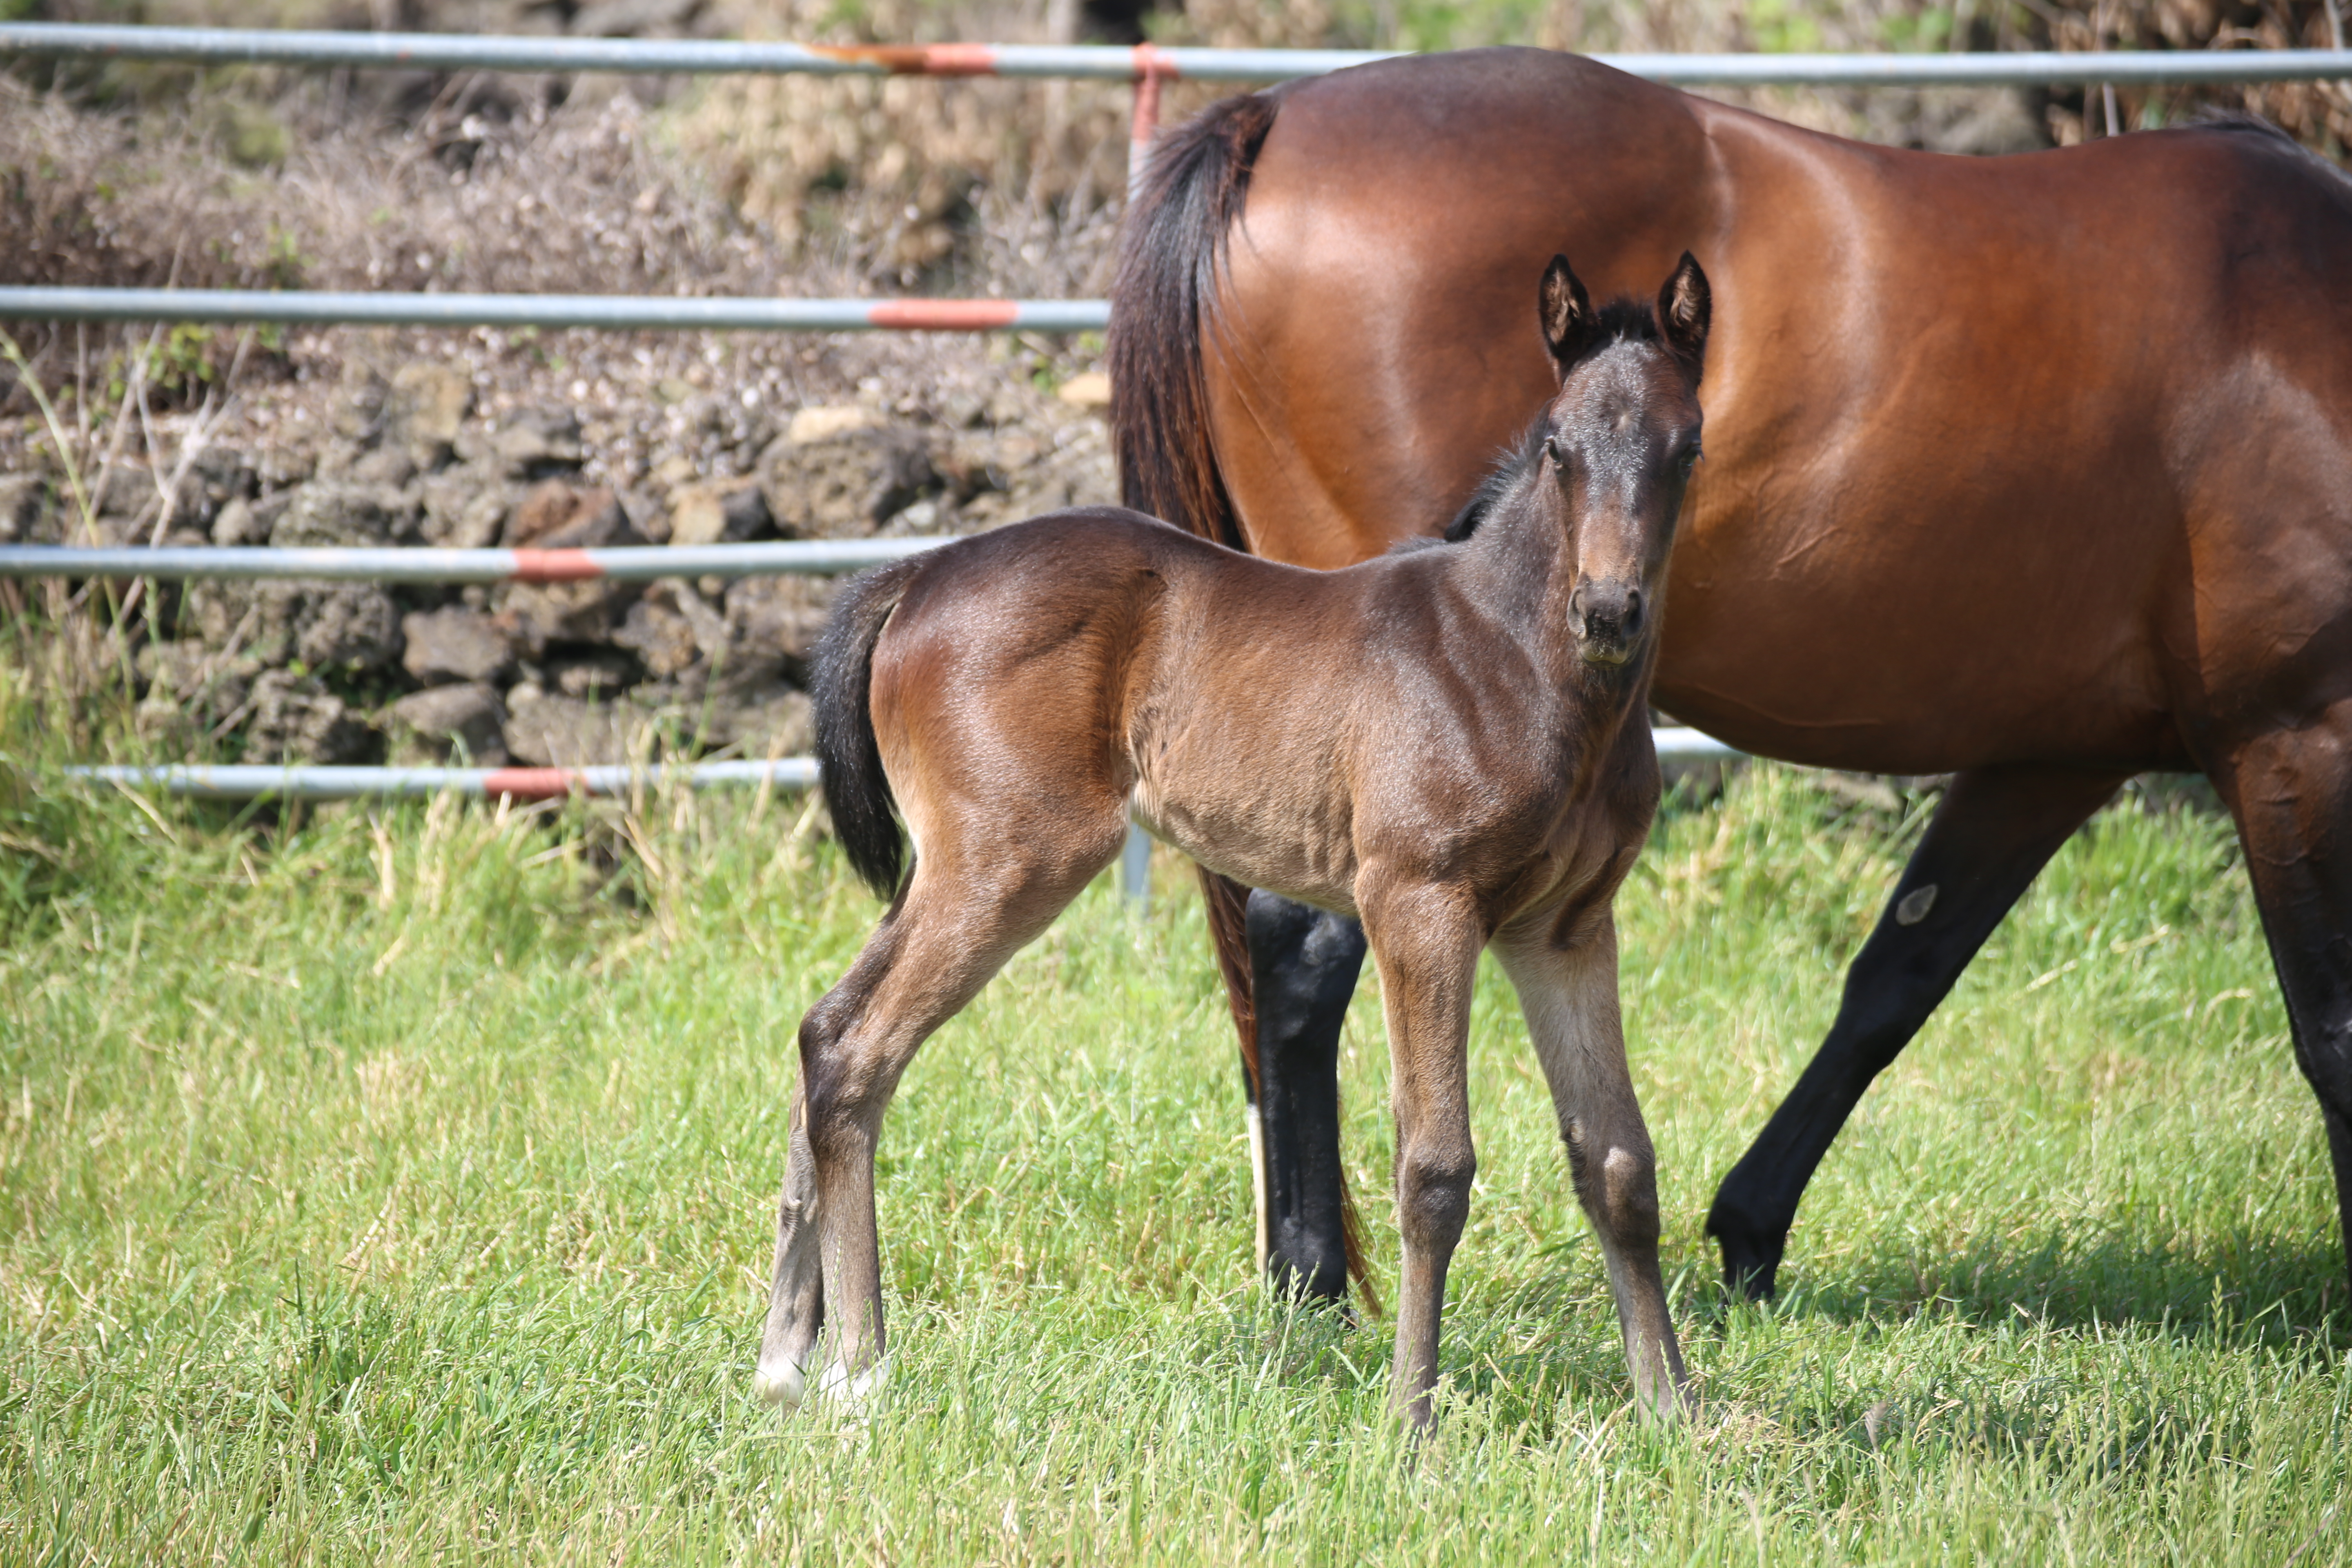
854,1393
782,1383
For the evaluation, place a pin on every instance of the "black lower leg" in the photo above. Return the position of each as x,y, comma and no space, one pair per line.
1304,964
1993,831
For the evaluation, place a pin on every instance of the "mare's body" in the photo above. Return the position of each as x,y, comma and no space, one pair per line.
1449,744
2036,470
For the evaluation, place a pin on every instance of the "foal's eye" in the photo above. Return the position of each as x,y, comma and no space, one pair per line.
1687,461
1552,451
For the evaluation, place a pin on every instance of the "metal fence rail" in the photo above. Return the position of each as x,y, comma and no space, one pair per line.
448,51
426,564
321,782
308,781
610,313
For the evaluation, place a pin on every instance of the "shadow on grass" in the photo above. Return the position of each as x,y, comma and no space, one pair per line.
2243,1290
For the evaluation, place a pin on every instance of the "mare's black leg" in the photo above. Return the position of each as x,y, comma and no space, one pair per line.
1303,966
2292,793
1994,830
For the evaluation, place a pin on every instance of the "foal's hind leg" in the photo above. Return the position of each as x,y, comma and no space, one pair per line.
1994,830
979,893
2291,792
796,1286
1569,996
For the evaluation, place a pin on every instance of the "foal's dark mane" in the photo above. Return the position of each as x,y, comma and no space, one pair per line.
1620,321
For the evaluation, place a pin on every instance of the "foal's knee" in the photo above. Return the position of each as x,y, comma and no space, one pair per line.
1618,1182
1433,1192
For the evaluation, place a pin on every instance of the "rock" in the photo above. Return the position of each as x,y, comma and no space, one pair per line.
358,411
465,722
455,644
426,409
220,475
704,514
846,483
780,618
556,515
128,491
1090,389
387,466
633,18
352,627
21,497
780,726
662,639
598,675
233,524
560,516
188,675
297,720
813,424
242,521
567,733
534,616
536,444
464,512
256,619
330,511
282,464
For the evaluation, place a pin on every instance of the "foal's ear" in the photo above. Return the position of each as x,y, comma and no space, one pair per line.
1685,305
1565,313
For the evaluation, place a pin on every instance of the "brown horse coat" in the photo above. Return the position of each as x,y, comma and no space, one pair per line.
2034,470
1449,743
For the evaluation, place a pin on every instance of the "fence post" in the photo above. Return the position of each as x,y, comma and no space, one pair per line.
1148,70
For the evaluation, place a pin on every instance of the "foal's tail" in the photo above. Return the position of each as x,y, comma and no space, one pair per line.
848,758
1171,251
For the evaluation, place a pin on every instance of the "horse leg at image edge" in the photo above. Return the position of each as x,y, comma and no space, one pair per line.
1992,832
1304,964
2291,792
1569,996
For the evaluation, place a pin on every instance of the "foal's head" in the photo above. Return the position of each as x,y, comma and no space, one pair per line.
1617,445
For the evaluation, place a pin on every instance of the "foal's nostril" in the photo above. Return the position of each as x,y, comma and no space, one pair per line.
1632,611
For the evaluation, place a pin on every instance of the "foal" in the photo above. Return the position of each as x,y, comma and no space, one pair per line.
1448,743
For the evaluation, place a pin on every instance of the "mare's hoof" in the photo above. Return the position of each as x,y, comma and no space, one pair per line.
782,1383
1749,1265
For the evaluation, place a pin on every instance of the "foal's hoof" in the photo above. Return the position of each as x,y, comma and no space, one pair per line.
854,1393
782,1383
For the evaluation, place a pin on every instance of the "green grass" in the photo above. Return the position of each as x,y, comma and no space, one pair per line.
397,1186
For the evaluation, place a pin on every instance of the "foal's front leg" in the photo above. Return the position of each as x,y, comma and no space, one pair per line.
1425,941
1568,989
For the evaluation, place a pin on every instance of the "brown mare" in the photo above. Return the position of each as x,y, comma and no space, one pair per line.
2036,471
1436,742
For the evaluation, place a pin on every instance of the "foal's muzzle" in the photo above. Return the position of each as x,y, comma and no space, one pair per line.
1608,618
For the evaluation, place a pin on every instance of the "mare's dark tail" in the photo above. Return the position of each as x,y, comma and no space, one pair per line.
848,759
1171,251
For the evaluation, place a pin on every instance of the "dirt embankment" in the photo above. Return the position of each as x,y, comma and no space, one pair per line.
516,438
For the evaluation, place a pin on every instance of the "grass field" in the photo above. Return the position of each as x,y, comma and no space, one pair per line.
397,1186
